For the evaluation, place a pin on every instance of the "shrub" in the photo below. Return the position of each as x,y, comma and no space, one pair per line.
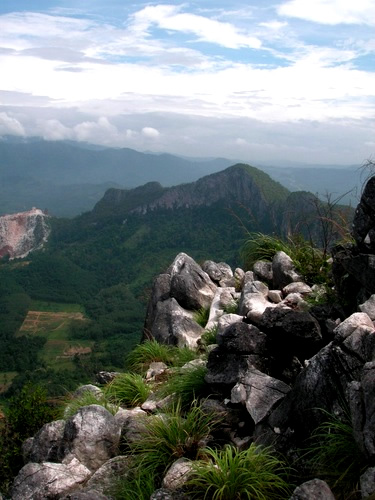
128,389
230,474
73,404
335,456
187,386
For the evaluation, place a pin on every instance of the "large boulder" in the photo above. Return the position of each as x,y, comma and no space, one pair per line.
175,325
104,478
220,273
92,436
364,219
283,270
190,285
46,444
48,480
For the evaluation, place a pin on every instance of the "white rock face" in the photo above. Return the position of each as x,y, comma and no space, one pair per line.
22,233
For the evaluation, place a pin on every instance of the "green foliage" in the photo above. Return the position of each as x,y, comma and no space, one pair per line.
171,436
231,308
230,474
73,404
150,351
137,484
209,336
187,385
335,457
201,316
259,246
27,412
128,389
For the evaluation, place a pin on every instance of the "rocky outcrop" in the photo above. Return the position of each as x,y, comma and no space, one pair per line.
22,233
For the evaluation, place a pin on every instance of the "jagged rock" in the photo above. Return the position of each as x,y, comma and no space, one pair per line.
156,369
252,305
178,474
295,301
92,435
297,287
132,423
263,271
46,444
349,325
367,385
96,391
364,219
315,489
227,320
291,332
367,482
239,276
192,365
160,292
244,339
48,480
225,369
175,325
259,392
284,271
105,378
249,276
220,273
107,474
86,494
190,285
223,297
369,307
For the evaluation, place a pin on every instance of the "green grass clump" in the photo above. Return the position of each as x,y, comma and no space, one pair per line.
201,316
187,386
209,336
230,474
231,308
142,355
72,404
128,389
336,457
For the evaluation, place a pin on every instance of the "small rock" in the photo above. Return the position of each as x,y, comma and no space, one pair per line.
315,489
178,474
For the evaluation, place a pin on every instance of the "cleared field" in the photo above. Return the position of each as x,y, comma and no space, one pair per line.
60,349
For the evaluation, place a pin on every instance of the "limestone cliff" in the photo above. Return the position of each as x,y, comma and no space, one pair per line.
22,233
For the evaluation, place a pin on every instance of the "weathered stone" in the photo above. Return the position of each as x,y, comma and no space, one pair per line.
249,276
175,325
220,273
368,384
93,389
106,475
154,403
86,494
160,292
364,219
105,378
297,287
192,365
368,307
244,339
284,271
253,305
295,301
47,442
263,271
222,297
356,320
239,276
156,369
275,296
315,489
91,435
227,320
190,285
48,480
367,482
178,474
132,423
259,392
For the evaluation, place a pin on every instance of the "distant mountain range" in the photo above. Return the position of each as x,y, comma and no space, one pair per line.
68,178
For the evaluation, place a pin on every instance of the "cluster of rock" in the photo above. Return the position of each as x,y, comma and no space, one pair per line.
278,365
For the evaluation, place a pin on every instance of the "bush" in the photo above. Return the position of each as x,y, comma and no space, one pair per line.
230,474
128,389
187,386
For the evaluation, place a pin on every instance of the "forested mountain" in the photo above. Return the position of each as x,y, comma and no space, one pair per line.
97,268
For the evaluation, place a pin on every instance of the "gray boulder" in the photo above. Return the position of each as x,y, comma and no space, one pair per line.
368,307
190,285
175,325
48,480
132,423
263,271
220,273
178,474
244,339
46,444
284,271
106,475
367,482
297,287
364,219
92,436
93,389
160,292
227,320
315,489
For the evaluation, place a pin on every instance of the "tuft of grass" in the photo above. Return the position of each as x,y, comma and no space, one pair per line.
230,474
209,336
142,355
335,456
128,389
171,436
72,404
231,308
201,316
187,386
138,484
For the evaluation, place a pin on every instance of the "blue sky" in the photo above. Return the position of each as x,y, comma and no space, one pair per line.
260,81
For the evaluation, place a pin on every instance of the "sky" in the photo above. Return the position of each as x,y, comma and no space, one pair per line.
256,80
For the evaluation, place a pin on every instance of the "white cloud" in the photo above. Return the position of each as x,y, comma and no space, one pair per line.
54,130
150,132
9,125
168,17
331,11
